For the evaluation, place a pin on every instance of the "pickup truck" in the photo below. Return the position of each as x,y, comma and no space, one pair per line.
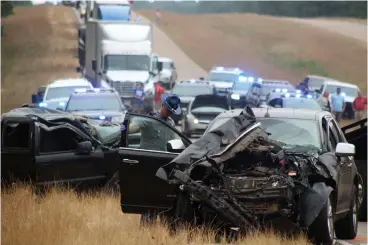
356,133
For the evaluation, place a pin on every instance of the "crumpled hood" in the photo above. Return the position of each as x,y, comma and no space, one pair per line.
55,103
213,141
221,84
135,76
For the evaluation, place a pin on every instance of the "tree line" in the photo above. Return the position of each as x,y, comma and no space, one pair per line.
7,7
355,9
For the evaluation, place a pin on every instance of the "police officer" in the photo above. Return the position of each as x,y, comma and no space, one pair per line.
155,136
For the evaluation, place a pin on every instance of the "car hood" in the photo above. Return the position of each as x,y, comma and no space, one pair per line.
55,103
218,84
213,141
186,99
135,76
96,114
241,92
210,100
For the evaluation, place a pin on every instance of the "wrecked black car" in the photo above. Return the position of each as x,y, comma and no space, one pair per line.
51,147
248,170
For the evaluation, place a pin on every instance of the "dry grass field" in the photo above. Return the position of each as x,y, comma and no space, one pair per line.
266,45
40,45
63,218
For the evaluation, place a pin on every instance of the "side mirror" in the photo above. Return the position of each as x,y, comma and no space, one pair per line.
94,65
34,99
84,148
175,146
345,150
201,78
78,69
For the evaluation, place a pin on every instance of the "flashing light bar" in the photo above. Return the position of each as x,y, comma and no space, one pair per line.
220,68
309,96
287,95
102,117
260,80
298,91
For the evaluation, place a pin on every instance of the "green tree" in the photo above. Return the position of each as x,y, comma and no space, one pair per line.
6,8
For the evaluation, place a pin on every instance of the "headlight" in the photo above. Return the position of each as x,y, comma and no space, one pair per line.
235,96
260,80
251,79
61,103
309,96
42,104
102,117
298,91
284,90
287,95
195,121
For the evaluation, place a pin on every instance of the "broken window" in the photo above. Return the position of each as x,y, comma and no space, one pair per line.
16,135
60,140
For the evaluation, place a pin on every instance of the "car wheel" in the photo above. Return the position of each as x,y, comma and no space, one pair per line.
347,228
321,231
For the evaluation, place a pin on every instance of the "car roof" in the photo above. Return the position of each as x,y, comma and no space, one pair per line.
70,82
291,113
268,82
164,59
228,70
319,77
341,84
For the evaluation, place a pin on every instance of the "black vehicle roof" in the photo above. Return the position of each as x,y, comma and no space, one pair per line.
44,113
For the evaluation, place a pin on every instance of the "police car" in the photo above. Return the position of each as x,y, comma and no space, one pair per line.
293,100
57,93
223,78
98,104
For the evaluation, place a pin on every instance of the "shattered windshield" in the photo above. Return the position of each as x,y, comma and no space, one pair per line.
300,133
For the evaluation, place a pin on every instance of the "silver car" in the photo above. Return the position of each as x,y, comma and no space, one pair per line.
201,111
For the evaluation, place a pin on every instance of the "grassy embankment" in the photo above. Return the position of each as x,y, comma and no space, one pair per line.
269,46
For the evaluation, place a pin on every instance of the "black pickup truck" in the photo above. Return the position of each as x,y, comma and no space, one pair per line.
356,133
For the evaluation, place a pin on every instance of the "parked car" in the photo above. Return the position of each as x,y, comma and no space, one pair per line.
168,75
259,92
201,111
57,93
237,94
223,78
315,82
295,101
98,104
187,90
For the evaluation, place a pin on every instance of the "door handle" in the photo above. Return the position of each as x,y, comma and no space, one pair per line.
130,162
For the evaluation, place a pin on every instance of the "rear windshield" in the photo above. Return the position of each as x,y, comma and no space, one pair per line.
62,92
181,90
93,103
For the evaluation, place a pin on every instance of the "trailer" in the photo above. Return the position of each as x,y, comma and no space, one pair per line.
119,53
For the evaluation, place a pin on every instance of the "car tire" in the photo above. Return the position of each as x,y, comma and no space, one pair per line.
347,228
321,231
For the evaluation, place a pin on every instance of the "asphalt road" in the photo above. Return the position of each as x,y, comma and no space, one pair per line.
187,68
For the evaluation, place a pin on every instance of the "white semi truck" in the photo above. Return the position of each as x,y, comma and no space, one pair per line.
120,53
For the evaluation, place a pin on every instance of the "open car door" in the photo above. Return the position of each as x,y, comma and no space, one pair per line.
145,149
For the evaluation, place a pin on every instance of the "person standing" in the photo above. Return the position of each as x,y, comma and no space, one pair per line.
159,90
158,16
360,106
138,94
337,104
323,101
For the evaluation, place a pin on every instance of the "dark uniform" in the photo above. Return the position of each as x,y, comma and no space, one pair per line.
160,137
